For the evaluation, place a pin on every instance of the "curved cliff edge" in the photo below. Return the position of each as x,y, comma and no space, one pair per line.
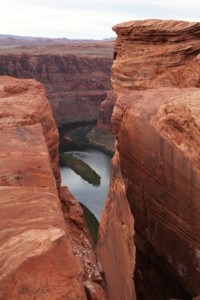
45,252
156,119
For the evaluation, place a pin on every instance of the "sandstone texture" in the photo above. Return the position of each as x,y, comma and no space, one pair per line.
24,103
76,77
40,257
162,184
105,113
102,135
155,75
154,53
37,261
83,246
75,84
116,239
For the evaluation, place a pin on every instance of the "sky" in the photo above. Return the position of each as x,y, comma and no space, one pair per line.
86,19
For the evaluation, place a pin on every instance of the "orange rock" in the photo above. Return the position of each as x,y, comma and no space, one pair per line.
155,75
105,113
23,102
83,246
154,53
116,239
36,257
161,172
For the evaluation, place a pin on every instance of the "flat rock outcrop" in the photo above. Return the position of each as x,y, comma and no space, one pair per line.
155,75
39,255
154,53
24,103
75,84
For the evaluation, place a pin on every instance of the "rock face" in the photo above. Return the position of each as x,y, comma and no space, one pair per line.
156,120
24,103
37,245
82,246
116,239
162,186
105,113
154,53
75,85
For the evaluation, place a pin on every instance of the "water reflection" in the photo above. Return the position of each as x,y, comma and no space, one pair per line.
93,197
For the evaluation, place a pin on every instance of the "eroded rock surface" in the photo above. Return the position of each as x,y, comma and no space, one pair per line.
154,53
105,113
103,128
75,84
23,102
162,184
116,239
156,75
83,246
37,245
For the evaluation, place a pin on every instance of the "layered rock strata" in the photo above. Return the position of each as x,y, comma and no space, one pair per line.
156,120
75,84
40,258
102,134
76,78
154,53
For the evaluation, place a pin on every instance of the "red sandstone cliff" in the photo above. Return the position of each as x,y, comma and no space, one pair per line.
18,108
105,112
116,239
75,84
46,253
155,75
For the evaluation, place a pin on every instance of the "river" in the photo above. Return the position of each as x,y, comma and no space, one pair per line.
91,196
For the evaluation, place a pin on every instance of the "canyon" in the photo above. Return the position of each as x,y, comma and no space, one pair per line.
76,77
46,249
149,238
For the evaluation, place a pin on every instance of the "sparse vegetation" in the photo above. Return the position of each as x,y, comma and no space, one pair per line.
92,222
90,136
80,168
79,135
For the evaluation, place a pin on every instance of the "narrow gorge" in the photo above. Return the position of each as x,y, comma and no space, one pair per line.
148,245
46,249
73,76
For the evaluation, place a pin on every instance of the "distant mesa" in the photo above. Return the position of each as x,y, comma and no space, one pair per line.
15,40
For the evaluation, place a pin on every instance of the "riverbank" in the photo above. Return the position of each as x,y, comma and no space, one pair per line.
77,136
91,196
80,168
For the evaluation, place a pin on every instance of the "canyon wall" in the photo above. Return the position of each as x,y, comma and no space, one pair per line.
105,112
116,239
155,75
75,84
46,250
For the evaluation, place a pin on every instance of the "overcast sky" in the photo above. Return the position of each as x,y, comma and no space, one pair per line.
86,18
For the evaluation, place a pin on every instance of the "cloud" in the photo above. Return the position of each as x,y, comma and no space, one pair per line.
86,19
